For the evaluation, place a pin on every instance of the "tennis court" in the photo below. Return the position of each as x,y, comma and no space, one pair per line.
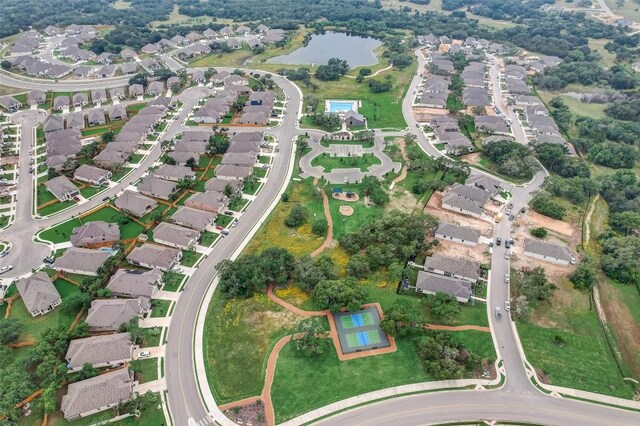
360,331
357,320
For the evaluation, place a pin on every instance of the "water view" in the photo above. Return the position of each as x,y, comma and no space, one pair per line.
356,50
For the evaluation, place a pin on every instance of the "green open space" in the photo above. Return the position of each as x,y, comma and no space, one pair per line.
55,208
365,143
172,281
190,257
160,308
329,163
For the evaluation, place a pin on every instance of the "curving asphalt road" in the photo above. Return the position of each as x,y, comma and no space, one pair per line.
517,400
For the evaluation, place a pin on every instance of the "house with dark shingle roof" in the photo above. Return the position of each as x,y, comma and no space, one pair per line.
95,117
100,351
193,218
110,314
38,293
451,267
81,261
75,120
93,175
232,172
174,173
135,283
9,103
135,203
158,188
96,233
53,122
209,201
550,252
60,102
154,256
458,234
97,394
432,284
80,99
36,97
175,236
62,188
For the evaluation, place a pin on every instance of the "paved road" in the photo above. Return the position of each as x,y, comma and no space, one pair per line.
9,79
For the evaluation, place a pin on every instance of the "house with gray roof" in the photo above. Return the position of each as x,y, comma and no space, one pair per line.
62,188
484,182
193,218
457,233
53,122
135,282
451,267
75,120
220,185
470,192
135,203
61,102
127,54
155,88
36,97
95,117
475,96
182,158
239,159
209,33
9,103
549,252
110,314
158,188
96,233
150,48
81,261
209,201
433,283
129,68
442,65
232,172
107,350
453,202
136,90
175,236
98,96
492,124
80,100
353,118
174,173
117,112
97,394
155,256
109,159
38,293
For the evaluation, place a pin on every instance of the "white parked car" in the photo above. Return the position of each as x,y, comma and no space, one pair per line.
506,278
6,269
507,305
178,270
144,354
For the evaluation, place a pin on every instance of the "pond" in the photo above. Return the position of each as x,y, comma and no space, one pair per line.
356,50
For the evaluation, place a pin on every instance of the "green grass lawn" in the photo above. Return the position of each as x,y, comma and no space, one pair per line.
135,158
189,258
329,163
223,220
55,208
207,238
172,281
44,196
237,204
91,191
160,308
62,232
365,143
118,176
34,326
150,337
259,172
147,369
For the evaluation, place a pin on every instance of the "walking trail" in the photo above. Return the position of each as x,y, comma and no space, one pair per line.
405,157
327,215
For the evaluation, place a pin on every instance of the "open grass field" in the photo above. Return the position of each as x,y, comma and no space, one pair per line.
576,106
630,9
583,361
238,337
329,163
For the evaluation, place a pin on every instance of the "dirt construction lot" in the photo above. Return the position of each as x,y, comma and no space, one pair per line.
434,208
479,253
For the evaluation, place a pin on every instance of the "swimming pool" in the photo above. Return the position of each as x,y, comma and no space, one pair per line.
342,106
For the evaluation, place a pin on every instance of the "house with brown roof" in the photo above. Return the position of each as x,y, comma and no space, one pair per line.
97,394
154,256
100,351
193,218
135,283
209,201
81,261
220,185
135,203
175,236
38,293
97,233
232,172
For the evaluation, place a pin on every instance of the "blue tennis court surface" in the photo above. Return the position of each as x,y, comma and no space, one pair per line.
360,331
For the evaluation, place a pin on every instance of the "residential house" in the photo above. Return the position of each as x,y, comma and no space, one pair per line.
10,104
193,218
94,234
492,124
198,76
62,188
150,48
484,182
243,30
95,117
109,350
75,120
209,201
432,284
239,159
135,203
353,118
97,394
221,185
53,122
209,33
458,234
158,188
155,256
155,88
174,173
105,58
465,199
81,261
80,100
109,159
451,267
232,172
38,293
136,90
98,96
184,158
129,68
127,54
110,314
475,96
36,97
60,102
135,283
175,236
117,112
550,252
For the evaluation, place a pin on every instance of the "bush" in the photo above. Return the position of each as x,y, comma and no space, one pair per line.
545,205
539,232
320,227
297,217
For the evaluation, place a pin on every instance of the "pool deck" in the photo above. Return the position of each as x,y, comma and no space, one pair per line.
355,105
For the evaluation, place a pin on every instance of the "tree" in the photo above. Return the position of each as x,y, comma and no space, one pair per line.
372,188
320,226
140,78
191,162
87,372
10,330
376,86
335,294
539,232
15,385
309,338
625,221
364,71
297,216
333,70
544,204
442,306
90,150
441,357
621,258
402,319
479,110
76,301
6,65
534,285
308,272
276,265
51,173
585,275
108,136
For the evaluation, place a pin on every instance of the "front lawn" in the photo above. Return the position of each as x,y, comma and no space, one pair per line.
160,308
172,281
190,257
146,369
207,238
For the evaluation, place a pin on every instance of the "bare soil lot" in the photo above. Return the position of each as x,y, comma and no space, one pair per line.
434,208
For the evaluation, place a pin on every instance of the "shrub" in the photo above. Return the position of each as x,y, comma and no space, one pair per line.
539,232
320,227
297,217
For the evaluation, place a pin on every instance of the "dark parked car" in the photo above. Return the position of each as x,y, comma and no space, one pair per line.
498,241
